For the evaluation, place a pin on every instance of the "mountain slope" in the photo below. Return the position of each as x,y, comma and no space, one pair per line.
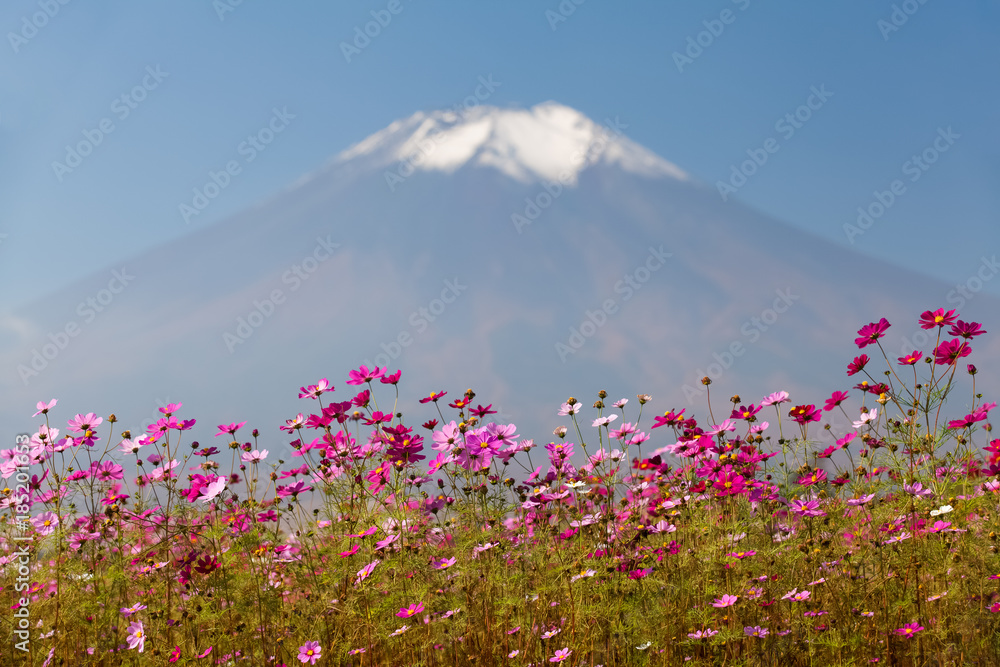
467,250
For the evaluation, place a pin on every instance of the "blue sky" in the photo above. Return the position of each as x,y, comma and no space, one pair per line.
895,77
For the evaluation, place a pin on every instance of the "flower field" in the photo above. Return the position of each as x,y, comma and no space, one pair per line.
746,533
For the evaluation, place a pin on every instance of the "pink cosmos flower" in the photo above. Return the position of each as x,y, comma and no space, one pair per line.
293,489
136,637
132,446
567,409
806,507
310,652
725,601
776,398
790,594
917,489
212,489
229,428
128,611
314,391
940,526
911,359
43,408
255,456
866,417
365,571
45,523
407,612
755,631
84,423
108,471
292,424
560,655
702,634
370,531
444,563
817,477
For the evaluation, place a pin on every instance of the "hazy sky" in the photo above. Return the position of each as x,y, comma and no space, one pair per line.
903,109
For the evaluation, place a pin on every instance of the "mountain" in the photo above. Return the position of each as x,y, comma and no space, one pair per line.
529,254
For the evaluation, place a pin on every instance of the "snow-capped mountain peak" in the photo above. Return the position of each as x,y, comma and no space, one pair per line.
550,141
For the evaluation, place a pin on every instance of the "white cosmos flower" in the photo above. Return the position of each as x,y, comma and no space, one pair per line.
866,417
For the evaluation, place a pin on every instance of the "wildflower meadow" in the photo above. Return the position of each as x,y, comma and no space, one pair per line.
745,533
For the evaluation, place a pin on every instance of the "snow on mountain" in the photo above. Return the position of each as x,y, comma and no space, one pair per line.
405,251
549,141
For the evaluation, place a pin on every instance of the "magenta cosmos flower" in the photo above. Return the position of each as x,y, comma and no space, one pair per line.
909,629
434,396
413,609
963,329
858,364
817,477
835,399
951,351
803,414
310,652
937,318
871,332
363,375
